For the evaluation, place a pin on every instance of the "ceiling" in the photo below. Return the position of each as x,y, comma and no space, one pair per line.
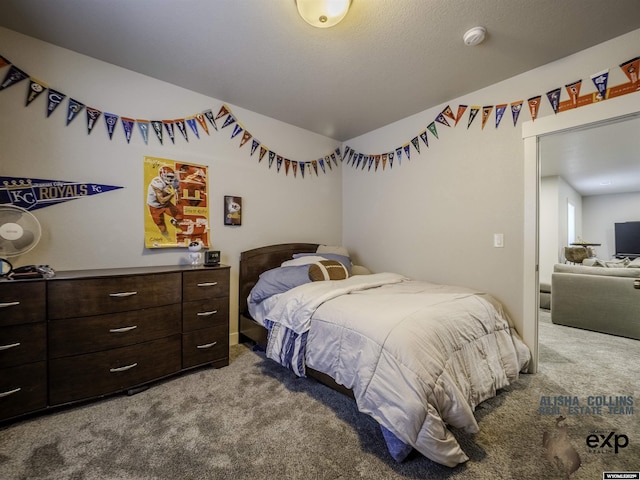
387,60
595,160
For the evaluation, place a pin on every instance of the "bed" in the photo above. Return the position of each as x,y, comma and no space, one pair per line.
418,357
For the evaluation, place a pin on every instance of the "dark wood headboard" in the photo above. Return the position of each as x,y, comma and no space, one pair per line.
252,264
259,260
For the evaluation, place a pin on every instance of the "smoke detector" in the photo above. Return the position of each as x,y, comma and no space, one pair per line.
474,36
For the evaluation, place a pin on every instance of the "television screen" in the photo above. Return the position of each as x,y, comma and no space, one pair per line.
627,235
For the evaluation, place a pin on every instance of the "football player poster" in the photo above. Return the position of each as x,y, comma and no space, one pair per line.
176,211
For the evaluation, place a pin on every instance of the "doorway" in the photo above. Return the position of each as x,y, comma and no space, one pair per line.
616,108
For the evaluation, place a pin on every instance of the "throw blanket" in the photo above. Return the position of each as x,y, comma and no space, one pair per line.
288,322
418,356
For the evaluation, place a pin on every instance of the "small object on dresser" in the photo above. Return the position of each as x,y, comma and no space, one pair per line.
195,255
212,258
32,271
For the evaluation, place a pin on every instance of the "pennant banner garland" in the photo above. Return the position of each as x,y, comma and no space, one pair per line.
293,166
446,117
201,121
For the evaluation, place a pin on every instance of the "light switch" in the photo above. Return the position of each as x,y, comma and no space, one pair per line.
498,240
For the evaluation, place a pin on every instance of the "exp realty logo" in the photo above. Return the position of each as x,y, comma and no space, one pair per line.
606,442
561,452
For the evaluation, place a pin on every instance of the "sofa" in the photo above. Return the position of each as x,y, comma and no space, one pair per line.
603,296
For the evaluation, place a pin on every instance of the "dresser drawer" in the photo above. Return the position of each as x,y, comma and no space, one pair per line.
75,336
96,374
23,389
205,313
22,302
20,344
205,346
95,296
206,283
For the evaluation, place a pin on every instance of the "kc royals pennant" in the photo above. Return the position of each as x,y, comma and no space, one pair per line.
34,193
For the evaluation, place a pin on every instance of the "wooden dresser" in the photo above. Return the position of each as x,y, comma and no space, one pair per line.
23,347
96,332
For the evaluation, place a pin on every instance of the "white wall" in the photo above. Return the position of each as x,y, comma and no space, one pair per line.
549,250
600,212
434,217
595,218
567,194
107,230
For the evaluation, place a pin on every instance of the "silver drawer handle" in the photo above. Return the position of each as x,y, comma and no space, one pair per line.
10,392
206,314
208,284
122,369
7,347
123,329
9,304
208,345
123,294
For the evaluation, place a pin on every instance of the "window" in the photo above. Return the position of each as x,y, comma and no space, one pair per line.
571,223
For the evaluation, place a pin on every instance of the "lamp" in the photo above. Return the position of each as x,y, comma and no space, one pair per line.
323,13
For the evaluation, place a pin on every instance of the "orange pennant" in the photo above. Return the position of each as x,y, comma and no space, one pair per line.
223,111
630,69
534,106
486,112
573,89
461,110
448,112
246,136
202,121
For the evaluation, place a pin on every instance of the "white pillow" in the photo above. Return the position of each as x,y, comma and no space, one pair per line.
302,261
635,263
360,270
332,249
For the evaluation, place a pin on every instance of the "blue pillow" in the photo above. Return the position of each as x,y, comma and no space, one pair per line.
344,260
279,280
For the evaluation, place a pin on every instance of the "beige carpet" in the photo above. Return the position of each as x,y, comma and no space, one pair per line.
255,420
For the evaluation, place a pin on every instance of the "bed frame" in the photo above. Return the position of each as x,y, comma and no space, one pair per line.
252,264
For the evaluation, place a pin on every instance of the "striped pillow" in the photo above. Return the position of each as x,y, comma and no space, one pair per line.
327,270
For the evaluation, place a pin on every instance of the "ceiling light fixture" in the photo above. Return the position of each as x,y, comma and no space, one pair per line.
323,13
474,36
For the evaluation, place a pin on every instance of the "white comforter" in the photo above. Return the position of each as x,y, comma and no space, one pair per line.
418,356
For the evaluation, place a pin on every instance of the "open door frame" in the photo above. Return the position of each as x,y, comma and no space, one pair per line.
607,110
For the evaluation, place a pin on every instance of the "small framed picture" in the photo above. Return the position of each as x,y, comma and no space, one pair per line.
232,210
